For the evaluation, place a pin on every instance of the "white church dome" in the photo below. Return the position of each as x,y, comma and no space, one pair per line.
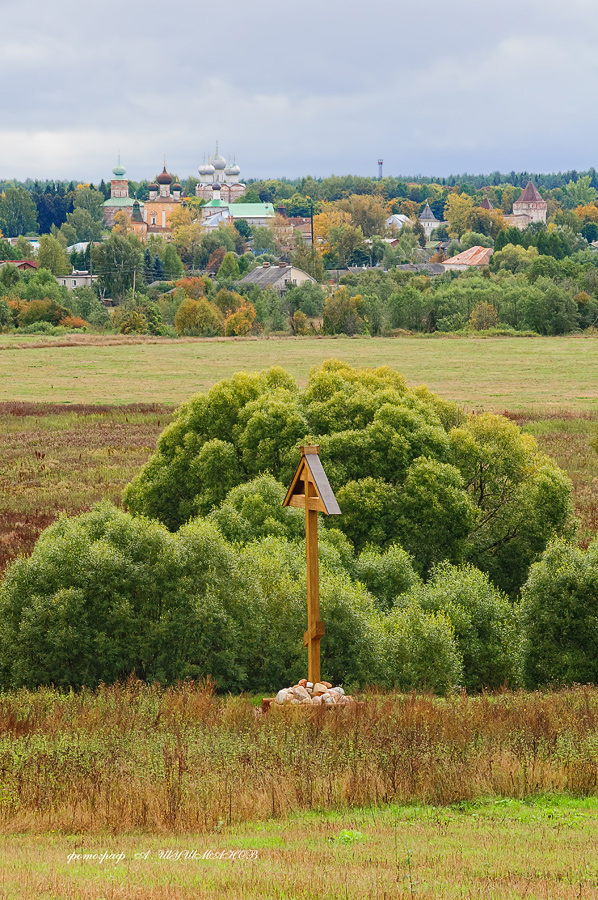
218,161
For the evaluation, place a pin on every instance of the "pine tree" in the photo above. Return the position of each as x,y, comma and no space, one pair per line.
159,273
148,266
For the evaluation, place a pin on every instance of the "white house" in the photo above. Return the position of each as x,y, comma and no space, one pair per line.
76,279
397,220
428,221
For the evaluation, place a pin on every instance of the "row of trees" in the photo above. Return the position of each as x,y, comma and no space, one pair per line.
525,292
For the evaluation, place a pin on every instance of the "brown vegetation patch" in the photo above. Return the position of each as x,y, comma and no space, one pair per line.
26,408
569,438
62,458
136,757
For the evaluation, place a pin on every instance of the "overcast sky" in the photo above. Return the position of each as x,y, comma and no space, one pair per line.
294,88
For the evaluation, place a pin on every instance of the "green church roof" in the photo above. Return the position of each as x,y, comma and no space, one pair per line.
121,201
240,210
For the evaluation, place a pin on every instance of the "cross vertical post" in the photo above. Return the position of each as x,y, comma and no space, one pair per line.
311,491
315,628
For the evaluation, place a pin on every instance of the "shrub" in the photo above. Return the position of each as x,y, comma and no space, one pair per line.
74,322
194,287
386,573
485,623
483,316
417,650
254,510
106,594
42,311
198,317
133,322
560,616
240,322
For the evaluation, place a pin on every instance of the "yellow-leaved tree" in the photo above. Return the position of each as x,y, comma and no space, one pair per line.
457,211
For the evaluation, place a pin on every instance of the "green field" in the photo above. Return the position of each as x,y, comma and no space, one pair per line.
504,850
498,373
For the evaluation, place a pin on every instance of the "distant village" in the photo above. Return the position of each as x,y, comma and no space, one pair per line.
347,251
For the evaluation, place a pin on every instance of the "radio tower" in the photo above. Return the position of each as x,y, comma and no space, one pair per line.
380,163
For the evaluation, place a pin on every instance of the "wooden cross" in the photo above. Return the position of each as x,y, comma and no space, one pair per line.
310,490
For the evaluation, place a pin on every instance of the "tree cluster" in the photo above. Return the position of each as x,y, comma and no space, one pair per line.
442,571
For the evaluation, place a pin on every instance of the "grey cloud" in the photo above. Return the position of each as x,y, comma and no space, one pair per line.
295,88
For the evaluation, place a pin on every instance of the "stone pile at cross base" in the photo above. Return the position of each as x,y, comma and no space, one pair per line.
320,694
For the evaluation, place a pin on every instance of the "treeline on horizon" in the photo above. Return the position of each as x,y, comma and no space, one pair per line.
54,198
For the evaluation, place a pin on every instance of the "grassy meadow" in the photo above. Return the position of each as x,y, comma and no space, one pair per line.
491,850
497,374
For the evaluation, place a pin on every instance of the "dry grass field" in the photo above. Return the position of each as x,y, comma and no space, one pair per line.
63,458
402,797
144,759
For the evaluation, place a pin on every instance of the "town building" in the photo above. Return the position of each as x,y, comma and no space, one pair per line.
76,279
137,222
397,220
428,221
119,200
22,264
276,277
13,241
219,212
165,195
485,204
216,172
528,208
474,257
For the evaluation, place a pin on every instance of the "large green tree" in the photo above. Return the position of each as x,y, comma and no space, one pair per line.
118,261
18,213
51,256
407,467
91,201
84,226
